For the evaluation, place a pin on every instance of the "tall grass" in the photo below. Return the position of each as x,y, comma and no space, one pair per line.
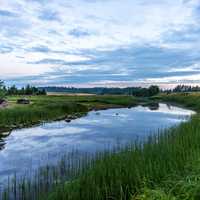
43,108
165,167
21,116
34,184
190,100
168,156
160,162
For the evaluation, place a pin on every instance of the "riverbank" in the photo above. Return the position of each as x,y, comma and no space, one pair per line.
164,168
187,100
50,108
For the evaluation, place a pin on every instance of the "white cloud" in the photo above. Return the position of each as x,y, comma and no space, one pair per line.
104,25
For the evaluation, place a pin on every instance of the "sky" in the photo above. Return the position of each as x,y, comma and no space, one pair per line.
90,43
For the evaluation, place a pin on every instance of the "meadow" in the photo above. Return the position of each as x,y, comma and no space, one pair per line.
166,167
49,108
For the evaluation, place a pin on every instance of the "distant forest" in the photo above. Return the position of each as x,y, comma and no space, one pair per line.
184,88
27,90
13,90
135,91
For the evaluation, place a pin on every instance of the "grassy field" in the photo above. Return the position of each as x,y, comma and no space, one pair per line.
167,167
45,108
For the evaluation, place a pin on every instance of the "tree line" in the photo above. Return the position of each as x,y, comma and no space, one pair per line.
13,90
32,90
134,91
27,90
184,88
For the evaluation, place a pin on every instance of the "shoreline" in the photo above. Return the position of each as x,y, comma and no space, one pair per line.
73,116
141,163
7,130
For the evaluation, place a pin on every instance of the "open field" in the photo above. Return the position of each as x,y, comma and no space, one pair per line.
68,94
46,108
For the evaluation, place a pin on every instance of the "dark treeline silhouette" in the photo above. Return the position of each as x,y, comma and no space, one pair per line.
28,90
2,90
135,91
13,90
184,88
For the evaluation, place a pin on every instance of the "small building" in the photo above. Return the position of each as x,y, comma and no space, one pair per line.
23,101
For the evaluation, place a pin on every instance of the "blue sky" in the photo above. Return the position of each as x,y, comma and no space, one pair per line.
100,42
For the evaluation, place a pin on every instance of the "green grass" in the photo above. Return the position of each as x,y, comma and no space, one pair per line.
45,108
166,167
189,100
160,163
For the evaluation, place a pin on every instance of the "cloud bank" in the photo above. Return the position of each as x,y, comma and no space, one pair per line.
100,42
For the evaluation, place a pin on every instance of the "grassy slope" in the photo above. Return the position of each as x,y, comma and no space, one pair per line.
166,168
43,108
191,100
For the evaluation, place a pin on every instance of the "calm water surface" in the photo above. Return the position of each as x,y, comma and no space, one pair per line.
36,146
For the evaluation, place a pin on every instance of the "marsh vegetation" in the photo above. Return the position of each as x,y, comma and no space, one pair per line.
48,108
165,167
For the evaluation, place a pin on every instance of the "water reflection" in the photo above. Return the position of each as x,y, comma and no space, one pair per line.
2,143
36,146
152,106
2,140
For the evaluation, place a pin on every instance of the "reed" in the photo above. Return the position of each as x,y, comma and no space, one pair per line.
165,167
28,115
116,174
47,108
163,160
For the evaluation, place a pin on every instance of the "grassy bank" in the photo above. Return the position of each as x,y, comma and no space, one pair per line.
167,167
189,100
45,108
163,167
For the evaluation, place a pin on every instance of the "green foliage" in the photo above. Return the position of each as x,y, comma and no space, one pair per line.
44,108
135,91
186,88
190,100
149,194
2,90
168,156
25,116
28,90
153,90
166,167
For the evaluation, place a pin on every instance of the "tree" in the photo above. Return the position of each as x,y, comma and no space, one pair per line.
28,90
2,90
12,90
153,90
41,92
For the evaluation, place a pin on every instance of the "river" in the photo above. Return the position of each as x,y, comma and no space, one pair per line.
32,147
